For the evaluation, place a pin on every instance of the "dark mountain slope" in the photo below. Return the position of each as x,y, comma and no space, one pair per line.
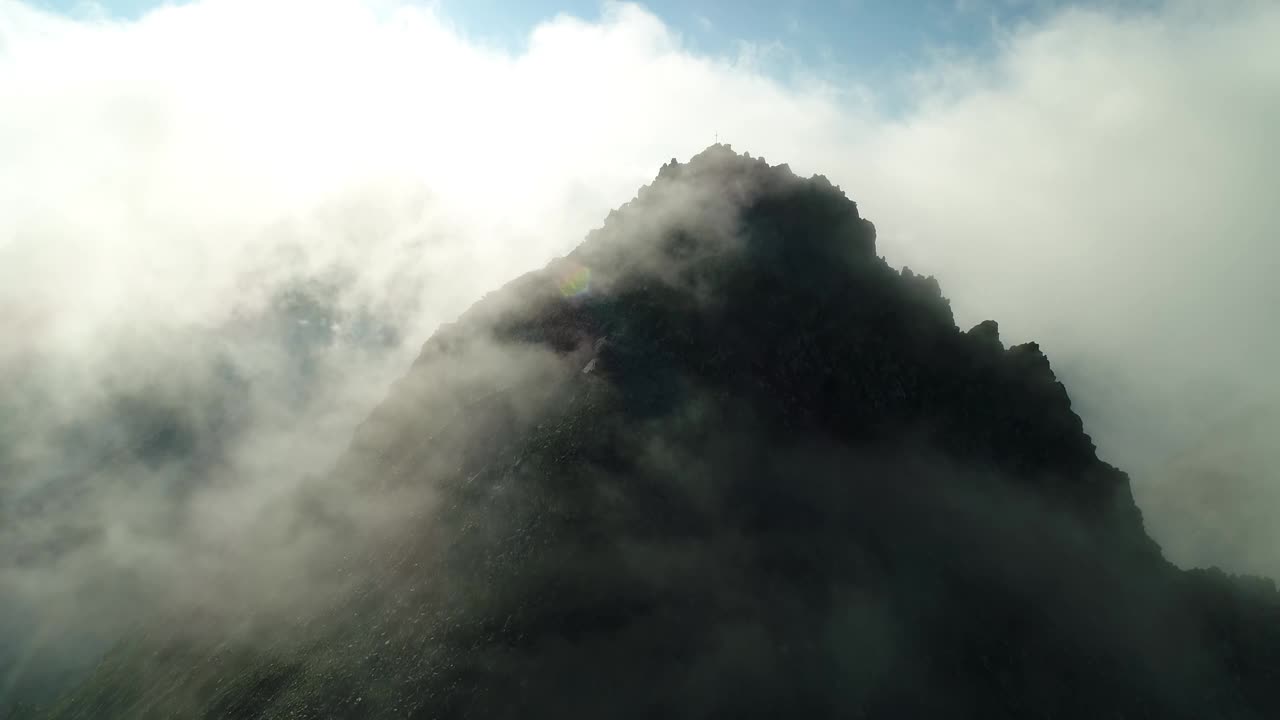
723,461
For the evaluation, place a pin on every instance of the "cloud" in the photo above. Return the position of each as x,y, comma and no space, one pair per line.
309,189
1100,187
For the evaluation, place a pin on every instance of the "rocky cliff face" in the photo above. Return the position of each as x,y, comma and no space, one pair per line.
722,460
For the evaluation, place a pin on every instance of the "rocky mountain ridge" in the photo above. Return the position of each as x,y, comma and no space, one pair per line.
722,460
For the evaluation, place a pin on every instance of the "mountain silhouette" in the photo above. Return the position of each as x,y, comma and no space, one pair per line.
722,460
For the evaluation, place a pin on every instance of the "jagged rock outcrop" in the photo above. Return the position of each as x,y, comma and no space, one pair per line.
788,486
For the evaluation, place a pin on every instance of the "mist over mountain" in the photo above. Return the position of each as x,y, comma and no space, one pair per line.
719,460
132,473
1092,178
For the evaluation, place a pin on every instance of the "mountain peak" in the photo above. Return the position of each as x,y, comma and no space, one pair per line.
723,460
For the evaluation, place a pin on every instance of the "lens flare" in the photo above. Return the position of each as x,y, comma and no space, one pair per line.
575,281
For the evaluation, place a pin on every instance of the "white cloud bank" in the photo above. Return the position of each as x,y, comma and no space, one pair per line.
1104,185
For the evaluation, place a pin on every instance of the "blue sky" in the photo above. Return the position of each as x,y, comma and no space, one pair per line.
871,42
